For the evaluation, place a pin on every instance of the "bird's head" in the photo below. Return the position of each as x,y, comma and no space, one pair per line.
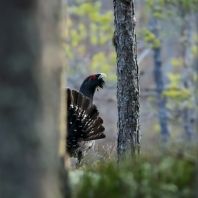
92,83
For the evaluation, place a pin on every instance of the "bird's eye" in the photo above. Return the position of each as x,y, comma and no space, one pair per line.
92,77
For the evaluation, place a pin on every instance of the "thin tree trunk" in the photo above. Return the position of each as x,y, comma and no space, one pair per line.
188,112
158,77
128,79
30,98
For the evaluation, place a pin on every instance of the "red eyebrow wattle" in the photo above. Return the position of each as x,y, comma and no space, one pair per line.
92,77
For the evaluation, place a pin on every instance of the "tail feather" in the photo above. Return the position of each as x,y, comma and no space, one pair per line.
90,119
74,94
85,104
80,100
84,123
69,97
96,134
95,125
92,110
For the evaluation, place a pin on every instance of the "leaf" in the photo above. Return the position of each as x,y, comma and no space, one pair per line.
93,39
175,62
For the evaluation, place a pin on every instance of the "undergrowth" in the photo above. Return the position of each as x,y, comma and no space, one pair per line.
156,174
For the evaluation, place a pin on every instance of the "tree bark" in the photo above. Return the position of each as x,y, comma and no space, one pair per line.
128,78
158,77
30,98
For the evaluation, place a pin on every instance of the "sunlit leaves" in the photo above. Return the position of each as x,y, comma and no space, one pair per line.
188,5
82,31
94,40
194,50
75,38
158,15
150,38
98,59
157,127
90,33
85,8
112,58
174,90
177,95
175,62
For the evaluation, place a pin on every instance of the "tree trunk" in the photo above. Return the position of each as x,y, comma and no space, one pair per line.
187,75
196,85
158,77
128,79
30,98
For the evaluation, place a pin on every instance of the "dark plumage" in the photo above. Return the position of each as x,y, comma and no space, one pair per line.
84,122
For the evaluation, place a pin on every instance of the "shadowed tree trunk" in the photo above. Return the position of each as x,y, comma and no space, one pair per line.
159,81
196,94
30,98
196,85
128,79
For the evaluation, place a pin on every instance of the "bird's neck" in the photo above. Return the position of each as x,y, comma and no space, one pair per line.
88,92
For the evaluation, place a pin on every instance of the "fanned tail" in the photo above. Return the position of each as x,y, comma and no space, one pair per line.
84,123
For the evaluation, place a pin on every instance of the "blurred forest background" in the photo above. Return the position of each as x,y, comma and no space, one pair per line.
167,57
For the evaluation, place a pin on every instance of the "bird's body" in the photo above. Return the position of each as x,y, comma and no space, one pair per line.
84,122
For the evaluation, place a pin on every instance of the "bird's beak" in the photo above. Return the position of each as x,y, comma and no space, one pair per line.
102,75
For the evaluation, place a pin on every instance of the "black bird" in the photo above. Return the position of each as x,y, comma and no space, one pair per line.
84,122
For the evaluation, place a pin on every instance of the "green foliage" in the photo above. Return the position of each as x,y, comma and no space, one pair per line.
157,127
173,91
194,48
100,60
187,5
175,62
150,38
150,3
158,15
177,95
90,27
158,11
161,175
